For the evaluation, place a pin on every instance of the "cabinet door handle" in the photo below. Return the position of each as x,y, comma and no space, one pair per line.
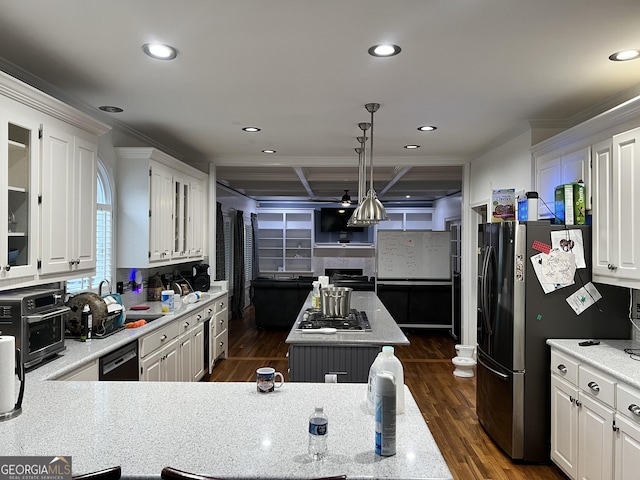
71,262
562,368
163,338
221,322
593,386
635,409
611,266
578,403
571,399
186,324
221,344
7,268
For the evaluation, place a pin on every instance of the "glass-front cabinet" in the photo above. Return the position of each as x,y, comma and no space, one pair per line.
18,195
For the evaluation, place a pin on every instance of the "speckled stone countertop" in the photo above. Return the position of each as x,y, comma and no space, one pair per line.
78,353
226,430
384,329
608,356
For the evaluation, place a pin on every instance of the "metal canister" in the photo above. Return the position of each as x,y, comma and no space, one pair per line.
335,301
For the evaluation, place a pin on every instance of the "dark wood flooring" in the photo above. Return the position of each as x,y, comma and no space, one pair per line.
447,402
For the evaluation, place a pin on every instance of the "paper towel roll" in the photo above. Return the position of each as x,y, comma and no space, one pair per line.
324,280
7,373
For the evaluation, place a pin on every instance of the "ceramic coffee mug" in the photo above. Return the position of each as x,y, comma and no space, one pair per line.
266,379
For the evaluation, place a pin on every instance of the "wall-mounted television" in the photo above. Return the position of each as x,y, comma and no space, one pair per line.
335,220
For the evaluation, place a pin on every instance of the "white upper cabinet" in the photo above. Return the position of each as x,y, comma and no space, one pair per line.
558,168
48,168
20,150
616,210
605,152
69,173
162,211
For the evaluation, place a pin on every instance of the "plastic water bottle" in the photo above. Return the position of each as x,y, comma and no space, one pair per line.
385,424
193,297
318,423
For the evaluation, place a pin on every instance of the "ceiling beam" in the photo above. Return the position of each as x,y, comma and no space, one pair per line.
397,175
305,183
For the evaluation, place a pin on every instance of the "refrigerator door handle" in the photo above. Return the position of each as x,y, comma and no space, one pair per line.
494,371
486,304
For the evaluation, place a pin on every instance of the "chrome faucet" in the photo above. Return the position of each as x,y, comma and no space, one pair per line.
102,283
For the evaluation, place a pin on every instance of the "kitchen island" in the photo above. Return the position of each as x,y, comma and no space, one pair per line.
226,430
345,355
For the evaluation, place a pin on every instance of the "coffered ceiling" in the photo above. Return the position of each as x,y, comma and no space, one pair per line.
478,70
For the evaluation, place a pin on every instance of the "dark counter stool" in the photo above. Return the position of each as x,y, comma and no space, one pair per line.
112,473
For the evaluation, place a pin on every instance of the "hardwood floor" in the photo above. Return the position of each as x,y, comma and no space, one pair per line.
447,402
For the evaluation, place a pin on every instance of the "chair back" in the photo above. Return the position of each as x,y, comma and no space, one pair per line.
170,473
112,473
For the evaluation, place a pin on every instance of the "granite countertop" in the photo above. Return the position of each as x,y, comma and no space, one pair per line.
384,329
608,356
226,430
78,353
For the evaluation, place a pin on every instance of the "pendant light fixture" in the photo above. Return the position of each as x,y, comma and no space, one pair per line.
370,211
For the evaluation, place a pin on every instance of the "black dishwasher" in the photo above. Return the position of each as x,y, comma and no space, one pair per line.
120,365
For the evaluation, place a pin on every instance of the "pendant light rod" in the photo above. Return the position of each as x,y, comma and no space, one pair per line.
362,177
371,108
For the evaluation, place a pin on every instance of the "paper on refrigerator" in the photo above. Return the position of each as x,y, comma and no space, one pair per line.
554,270
584,298
570,241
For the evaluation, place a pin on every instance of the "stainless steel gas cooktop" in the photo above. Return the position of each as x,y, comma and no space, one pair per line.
313,318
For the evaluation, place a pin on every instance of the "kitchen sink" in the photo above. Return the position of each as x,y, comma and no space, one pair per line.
149,317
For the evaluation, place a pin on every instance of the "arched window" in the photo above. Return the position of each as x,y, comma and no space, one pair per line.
104,236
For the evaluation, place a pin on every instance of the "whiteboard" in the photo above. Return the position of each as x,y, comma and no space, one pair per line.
414,254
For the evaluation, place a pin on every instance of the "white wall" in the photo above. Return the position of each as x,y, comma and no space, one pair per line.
445,209
507,166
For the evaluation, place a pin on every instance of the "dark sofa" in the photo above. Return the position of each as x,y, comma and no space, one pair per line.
277,302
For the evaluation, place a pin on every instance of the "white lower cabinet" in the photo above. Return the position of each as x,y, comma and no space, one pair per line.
175,352
595,429
159,354
218,332
627,443
163,365
89,372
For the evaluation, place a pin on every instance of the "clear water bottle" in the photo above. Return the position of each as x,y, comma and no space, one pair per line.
318,423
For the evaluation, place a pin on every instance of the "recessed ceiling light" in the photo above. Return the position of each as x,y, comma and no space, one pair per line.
251,129
110,109
411,147
384,50
427,128
624,55
268,151
160,51
407,196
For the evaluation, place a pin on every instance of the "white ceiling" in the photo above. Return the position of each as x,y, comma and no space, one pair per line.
299,69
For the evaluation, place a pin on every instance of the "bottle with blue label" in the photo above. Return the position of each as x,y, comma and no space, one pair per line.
318,427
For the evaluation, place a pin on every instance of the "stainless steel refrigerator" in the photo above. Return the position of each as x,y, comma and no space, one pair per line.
515,318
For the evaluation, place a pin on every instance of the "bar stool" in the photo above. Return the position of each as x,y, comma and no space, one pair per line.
112,473
170,473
